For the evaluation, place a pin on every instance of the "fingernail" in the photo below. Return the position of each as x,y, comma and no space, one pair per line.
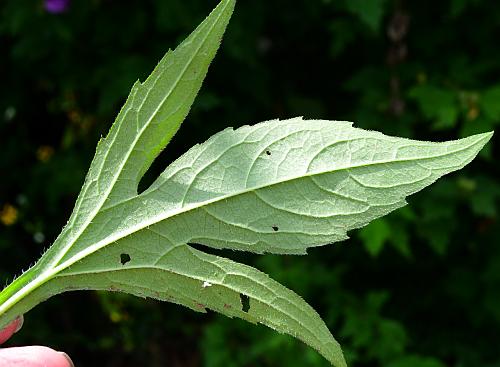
70,362
20,322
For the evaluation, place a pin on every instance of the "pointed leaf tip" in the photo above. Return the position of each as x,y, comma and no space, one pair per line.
488,135
483,137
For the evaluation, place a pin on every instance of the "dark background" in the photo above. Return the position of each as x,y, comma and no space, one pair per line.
419,288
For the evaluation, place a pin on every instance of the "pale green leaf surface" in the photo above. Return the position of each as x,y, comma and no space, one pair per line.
321,179
150,117
311,180
278,186
186,276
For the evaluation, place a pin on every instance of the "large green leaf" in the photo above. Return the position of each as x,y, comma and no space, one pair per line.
278,186
150,117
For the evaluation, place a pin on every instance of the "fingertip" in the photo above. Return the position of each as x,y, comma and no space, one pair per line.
10,329
34,356
68,360
20,323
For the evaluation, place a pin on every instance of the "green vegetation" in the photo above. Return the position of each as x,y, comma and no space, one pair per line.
368,295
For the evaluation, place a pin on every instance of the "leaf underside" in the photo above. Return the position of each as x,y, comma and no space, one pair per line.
277,187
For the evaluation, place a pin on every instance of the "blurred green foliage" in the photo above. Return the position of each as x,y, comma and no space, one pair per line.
419,288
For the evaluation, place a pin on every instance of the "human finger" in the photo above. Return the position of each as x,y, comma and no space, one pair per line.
34,356
10,329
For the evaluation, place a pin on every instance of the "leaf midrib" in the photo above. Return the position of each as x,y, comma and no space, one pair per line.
60,255
212,281
157,219
201,279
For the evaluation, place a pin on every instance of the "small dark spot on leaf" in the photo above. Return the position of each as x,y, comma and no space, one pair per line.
268,152
124,258
245,302
275,228
226,305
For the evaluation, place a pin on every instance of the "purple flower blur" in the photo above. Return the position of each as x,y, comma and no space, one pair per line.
56,6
